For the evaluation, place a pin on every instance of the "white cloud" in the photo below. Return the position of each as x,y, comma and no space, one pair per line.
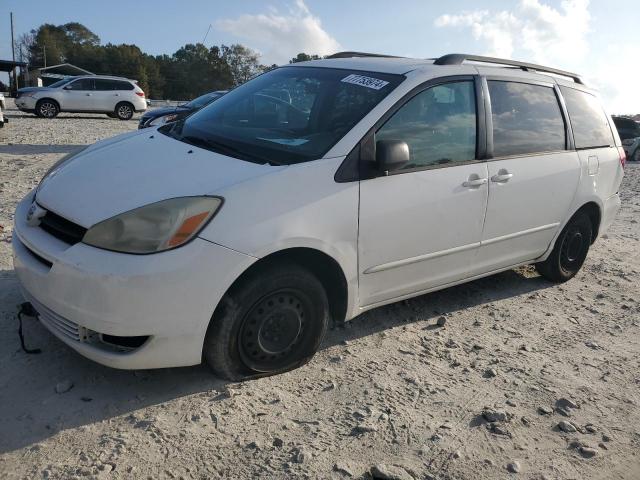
281,36
543,33
559,37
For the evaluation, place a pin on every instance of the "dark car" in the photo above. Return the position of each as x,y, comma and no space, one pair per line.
627,127
629,131
160,116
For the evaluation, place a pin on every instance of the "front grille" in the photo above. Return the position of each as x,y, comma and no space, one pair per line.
42,260
61,228
57,323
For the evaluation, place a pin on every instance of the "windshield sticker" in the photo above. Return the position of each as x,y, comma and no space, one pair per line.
294,142
363,81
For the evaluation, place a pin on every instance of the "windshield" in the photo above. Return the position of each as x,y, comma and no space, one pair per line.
288,115
60,83
202,100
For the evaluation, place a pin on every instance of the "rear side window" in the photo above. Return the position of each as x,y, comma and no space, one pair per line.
526,119
102,84
589,122
438,125
122,85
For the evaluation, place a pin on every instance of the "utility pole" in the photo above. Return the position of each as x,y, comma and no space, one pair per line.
13,51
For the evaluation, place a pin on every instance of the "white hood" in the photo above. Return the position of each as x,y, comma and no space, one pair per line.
138,169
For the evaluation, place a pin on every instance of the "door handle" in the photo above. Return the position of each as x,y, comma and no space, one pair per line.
88,94
502,177
474,182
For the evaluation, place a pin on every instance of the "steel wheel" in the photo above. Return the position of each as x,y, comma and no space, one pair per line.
273,331
573,250
569,251
270,322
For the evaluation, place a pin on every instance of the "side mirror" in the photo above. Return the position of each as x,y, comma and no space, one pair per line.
66,88
391,155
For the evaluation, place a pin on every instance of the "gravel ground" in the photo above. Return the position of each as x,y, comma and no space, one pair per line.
525,380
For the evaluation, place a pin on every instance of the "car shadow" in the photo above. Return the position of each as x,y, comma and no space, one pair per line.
32,411
31,149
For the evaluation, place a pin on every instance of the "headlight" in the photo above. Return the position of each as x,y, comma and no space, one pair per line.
162,120
156,227
59,164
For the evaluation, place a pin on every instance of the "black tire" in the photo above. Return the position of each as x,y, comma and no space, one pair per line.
636,155
124,111
570,250
272,322
47,108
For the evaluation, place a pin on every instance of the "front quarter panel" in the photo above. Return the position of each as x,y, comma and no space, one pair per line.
299,206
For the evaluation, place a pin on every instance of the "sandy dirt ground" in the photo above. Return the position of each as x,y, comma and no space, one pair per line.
525,380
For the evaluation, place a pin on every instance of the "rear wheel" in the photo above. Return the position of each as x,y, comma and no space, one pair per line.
271,323
124,111
47,108
636,155
570,250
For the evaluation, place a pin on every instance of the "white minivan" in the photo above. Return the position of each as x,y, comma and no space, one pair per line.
234,236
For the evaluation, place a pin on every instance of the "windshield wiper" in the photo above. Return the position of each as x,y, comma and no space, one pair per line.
225,149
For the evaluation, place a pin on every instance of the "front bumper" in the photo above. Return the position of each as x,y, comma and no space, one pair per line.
82,292
26,104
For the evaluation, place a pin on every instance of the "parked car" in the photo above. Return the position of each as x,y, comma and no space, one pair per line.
116,96
629,131
160,116
234,235
3,107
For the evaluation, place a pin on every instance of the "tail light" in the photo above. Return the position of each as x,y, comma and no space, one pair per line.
140,93
623,156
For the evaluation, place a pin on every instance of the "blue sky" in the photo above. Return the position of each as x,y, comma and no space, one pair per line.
596,38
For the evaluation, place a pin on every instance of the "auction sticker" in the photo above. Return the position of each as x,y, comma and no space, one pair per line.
364,81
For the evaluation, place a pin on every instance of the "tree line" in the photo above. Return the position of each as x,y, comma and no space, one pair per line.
190,71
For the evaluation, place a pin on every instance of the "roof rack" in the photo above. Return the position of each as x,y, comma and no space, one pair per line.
458,58
359,54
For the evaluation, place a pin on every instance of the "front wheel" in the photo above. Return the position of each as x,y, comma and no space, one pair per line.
124,111
636,155
271,323
570,250
47,109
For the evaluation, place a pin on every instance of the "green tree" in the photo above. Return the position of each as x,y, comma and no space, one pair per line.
304,57
242,61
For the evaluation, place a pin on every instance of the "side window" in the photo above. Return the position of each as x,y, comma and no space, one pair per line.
104,85
438,124
589,122
526,119
81,84
121,85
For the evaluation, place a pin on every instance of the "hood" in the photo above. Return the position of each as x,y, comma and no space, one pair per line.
158,112
118,176
34,89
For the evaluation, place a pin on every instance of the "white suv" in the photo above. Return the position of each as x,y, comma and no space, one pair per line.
117,97
235,234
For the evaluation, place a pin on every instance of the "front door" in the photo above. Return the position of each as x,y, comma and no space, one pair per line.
78,95
533,177
420,226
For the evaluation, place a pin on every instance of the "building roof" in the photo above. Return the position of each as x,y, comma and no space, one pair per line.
8,65
65,69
